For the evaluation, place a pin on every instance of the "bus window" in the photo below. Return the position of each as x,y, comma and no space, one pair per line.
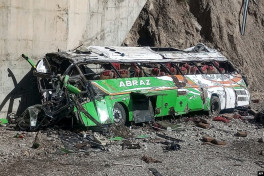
92,71
226,67
135,70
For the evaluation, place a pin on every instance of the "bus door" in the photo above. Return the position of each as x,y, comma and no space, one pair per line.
227,83
190,95
182,101
181,104
230,98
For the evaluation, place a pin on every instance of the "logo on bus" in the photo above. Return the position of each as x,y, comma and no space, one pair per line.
134,83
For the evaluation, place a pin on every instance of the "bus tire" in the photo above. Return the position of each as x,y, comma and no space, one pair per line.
215,106
119,114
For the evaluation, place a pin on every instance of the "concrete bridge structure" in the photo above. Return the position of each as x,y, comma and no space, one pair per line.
37,27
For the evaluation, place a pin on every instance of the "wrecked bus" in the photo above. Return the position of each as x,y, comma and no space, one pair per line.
98,85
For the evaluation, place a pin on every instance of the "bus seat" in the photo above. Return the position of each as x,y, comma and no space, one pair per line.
124,73
107,74
222,70
211,70
116,65
155,72
173,71
187,66
147,70
216,64
193,70
138,73
184,70
162,74
204,68
168,65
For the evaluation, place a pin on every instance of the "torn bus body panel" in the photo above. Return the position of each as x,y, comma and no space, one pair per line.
102,85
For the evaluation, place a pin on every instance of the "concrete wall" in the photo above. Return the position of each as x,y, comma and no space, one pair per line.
37,27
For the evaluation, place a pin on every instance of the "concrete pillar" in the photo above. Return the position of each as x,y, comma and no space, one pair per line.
37,27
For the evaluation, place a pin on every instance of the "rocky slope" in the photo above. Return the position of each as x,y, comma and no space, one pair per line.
183,23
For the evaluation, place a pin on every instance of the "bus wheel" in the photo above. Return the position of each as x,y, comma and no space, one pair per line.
119,114
215,106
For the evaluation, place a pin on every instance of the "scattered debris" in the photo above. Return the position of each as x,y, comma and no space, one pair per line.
155,172
241,134
253,112
149,159
228,116
173,146
198,120
221,118
255,101
157,127
100,139
166,125
237,116
21,135
134,165
203,125
122,131
3,122
168,137
260,117
77,142
210,140
248,117
207,138
261,140
143,136
218,142
64,150
129,145
83,146
118,138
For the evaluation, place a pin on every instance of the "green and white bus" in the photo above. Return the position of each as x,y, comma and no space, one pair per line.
103,85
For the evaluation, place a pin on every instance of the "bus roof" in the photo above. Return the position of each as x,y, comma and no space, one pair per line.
199,52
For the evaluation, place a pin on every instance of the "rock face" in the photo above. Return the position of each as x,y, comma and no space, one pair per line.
182,23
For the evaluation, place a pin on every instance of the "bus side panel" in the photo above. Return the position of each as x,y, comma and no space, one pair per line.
89,107
158,109
124,100
168,103
220,93
230,98
195,101
181,106
104,113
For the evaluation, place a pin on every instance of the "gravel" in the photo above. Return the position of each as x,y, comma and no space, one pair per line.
241,155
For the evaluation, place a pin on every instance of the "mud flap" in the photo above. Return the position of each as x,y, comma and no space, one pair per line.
142,108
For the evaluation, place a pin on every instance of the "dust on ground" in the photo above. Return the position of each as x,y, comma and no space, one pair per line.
66,152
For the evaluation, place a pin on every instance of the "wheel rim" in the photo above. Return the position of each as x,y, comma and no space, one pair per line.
117,115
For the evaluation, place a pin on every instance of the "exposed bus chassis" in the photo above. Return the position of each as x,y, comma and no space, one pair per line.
58,98
72,89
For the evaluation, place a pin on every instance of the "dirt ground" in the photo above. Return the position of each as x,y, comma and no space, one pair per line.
64,152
